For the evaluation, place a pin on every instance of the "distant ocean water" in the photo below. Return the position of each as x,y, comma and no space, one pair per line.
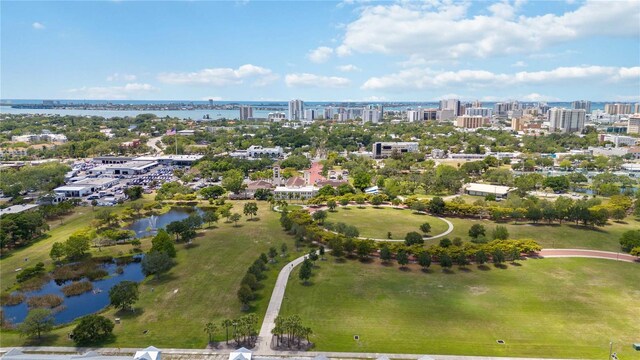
215,114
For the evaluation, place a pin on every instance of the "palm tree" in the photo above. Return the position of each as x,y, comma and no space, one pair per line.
210,328
226,323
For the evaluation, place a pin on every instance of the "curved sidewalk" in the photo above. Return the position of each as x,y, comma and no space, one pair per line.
269,322
594,254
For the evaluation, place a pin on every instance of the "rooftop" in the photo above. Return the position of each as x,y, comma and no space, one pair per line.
16,209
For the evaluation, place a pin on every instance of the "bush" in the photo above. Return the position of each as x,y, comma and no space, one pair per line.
77,288
11,299
92,328
630,239
30,272
45,301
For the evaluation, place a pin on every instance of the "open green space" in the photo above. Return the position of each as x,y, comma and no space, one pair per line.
565,236
543,308
376,222
200,288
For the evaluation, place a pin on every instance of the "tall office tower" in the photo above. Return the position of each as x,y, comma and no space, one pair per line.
582,104
246,112
372,114
328,113
566,120
452,104
296,109
413,115
476,104
310,115
501,109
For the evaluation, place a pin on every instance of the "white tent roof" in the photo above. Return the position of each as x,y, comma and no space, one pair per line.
150,353
240,354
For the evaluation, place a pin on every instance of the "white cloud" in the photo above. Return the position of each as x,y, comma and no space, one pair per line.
320,55
128,91
222,76
349,68
535,97
415,29
38,26
627,98
421,78
312,80
519,64
121,77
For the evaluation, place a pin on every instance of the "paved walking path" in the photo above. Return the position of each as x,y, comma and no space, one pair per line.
264,337
595,254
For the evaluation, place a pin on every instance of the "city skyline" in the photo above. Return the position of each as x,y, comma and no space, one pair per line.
322,51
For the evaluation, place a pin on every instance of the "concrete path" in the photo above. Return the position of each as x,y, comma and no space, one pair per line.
447,232
269,322
595,254
202,353
152,144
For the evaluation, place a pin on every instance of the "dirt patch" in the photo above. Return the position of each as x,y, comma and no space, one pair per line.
478,290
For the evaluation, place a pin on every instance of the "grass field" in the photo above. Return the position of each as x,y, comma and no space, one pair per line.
376,222
201,287
568,235
544,308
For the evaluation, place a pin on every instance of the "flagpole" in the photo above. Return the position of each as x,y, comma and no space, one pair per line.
176,140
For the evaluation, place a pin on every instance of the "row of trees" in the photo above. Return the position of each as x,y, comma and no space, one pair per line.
251,281
243,330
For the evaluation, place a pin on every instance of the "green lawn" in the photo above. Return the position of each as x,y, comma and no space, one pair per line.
201,287
567,235
376,222
544,308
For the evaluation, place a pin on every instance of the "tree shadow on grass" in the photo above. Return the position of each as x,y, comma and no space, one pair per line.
500,266
514,263
366,260
49,338
587,228
191,245
340,260
163,279
129,314
426,270
346,208
386,263
404,269
464,269
448,271
483,267
254,219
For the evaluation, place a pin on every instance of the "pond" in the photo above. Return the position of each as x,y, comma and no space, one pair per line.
77,306
140,226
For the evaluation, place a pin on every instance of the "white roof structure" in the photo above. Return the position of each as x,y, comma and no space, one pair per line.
16,209
488,188
240,354
16,354
150,353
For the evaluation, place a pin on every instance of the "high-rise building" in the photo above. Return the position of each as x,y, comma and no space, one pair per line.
328,113
276,116
478,111
633,126
296,109
452,104
471,122
372,114
617,109
310,114
636,108
428,114
582,104
413,115
566,120
383,150
476,104
501,108
246,112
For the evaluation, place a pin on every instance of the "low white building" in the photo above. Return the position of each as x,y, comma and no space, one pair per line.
127,168
16,209
487,189
85,187
619,140
295,193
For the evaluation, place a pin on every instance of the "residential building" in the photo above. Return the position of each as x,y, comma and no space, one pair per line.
328,113
372,114
296,109
471,122
438,154
382,150
633,124
246,112
445,114
566,120
517,124
277,117
617,109
295,193
479,111
429,114
41,137
582,104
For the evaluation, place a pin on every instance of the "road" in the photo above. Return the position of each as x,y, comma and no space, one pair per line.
152,144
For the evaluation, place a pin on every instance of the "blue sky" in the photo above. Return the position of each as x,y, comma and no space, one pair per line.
321,51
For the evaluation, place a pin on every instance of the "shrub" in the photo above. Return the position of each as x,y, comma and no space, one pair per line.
30,272
45,301
13,299
77,288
